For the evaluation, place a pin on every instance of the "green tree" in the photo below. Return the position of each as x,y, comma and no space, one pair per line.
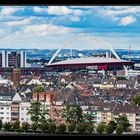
121,78
88,118
61,128
25,126
35,111
110,127
112,124
101,128
81,127
34,126
123,120
7,126
16,125
45,114
119,129
136,100
44,126
38,89
38,114
71,127
1,124
89,129
52,128
73,114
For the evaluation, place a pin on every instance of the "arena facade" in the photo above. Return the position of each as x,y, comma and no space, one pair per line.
94,64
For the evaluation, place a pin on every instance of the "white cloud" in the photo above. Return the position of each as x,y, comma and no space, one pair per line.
57,10
83,7
39,10
21,22
121,11
10,10
75,18
45,29
127,20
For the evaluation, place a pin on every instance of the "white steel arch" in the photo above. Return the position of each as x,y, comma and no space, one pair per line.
92,38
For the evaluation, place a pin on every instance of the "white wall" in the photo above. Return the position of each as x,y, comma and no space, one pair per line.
5,113
23,110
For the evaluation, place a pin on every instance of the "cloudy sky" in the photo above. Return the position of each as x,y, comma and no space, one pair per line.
46,27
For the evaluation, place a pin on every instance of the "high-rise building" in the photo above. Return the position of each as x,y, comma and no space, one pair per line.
22,59
4,59
13,59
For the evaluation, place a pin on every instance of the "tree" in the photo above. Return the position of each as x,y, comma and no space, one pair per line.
71,127
120,78
136,100
61,128
52,128
44,112
89,129
101,128
1,124
112,124
81,127
73,114
38,115
35,111
44,126
119,129
34,126
7,126
123,120
88,118
15,125
38,89
110,127
25,126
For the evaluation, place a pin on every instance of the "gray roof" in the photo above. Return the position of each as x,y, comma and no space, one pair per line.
89,60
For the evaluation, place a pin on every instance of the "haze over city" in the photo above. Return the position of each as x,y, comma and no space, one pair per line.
49,27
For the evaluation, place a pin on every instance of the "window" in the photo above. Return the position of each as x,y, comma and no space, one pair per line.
7,112
22,108
7,118
14,109
138,115
7,108
14,114
1,118
138,120
22,119
2,108
1,112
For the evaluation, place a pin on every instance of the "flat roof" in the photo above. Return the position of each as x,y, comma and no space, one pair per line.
89,60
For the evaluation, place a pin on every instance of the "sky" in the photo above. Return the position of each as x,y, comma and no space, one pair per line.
80,27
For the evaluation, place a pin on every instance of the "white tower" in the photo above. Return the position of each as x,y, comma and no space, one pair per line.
4,59
22,59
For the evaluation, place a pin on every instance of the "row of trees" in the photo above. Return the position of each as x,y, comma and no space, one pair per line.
120,125
51,127
75,121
